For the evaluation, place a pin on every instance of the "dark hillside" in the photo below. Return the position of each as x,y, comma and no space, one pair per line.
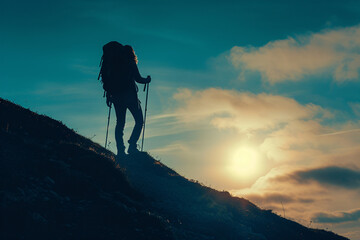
56,184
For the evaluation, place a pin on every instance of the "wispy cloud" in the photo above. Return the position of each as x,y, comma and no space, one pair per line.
328,176
336,51
338,217
171,148
88,70
242,111
277,198
285,130
341,132
355,107
80,89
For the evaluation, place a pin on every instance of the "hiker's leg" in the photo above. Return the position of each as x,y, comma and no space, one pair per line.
120,110
135,109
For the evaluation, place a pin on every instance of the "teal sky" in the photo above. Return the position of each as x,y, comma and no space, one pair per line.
273,82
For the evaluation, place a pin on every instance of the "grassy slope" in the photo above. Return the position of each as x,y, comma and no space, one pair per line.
55,182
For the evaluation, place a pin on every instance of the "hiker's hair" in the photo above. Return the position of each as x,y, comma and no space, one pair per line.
131,53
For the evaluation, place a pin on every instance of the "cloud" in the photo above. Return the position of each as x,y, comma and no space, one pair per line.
77,90
330,175
275,197
285,130
292,59
342,132
356,108
242,111
340,217
171,148
88,70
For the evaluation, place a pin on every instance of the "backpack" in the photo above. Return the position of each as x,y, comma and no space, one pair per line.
115,72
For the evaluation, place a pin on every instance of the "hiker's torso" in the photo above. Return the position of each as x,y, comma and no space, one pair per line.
126,84
123,80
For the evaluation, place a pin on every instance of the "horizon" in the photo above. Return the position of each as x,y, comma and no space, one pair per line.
258,99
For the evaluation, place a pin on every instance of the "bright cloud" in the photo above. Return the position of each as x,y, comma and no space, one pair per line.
242,111
286,131
336,51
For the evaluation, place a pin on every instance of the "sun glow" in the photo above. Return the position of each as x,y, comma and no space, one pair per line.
243,163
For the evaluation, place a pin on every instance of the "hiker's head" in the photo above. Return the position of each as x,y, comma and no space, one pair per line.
130,53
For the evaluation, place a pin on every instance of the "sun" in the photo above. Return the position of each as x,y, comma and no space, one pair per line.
243,162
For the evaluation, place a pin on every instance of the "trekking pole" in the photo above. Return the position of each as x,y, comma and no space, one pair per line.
107,129
146,101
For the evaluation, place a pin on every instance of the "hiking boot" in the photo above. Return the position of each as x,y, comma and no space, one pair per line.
119,157
133,149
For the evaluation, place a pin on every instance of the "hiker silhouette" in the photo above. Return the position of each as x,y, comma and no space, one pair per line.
118,73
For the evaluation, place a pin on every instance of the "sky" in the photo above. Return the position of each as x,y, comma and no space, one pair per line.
259,98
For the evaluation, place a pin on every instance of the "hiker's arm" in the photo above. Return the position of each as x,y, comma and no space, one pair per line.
137,77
